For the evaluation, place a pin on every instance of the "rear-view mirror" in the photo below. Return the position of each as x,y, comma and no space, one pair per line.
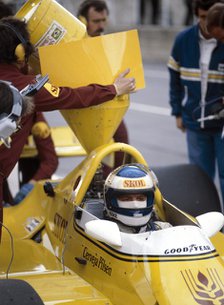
105,231
211,222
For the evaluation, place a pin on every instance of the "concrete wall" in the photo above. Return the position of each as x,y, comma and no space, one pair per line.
155,41
121,12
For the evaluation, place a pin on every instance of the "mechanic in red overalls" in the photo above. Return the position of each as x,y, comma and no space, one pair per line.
39,167
15,50
45,163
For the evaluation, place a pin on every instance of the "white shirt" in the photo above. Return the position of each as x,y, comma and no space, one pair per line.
206,48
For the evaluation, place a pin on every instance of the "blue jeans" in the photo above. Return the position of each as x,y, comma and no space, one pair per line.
205,149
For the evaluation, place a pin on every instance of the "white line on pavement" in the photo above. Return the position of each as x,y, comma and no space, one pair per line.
150,109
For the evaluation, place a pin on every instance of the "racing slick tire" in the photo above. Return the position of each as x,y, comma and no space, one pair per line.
18,292
188,188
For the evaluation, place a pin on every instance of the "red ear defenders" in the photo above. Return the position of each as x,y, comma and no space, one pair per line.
82,19
8,122
82,9
21,47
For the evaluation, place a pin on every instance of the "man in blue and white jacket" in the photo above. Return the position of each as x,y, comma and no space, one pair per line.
196,68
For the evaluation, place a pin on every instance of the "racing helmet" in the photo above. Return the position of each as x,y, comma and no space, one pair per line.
135,179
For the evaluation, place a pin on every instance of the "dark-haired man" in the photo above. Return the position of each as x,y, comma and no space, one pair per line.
197,77
215,21
5,10
94,14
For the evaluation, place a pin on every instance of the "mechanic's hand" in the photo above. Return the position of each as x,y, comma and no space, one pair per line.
23,192
124,85
179,124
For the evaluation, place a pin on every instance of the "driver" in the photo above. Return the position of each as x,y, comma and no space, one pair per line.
129,195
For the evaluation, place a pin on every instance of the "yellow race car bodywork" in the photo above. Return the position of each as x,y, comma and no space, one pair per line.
65,265
57,240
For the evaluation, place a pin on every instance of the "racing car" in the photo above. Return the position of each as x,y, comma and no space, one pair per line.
58,243
57,248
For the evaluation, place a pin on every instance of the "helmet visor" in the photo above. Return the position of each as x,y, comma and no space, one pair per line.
132,204
132,201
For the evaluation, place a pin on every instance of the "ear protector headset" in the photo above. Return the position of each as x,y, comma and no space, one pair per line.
8,124
21,47
84,7
83,19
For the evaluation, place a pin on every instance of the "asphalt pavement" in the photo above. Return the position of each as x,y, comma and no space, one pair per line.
151,127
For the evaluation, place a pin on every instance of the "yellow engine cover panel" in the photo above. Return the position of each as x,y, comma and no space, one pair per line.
94,60
65,142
